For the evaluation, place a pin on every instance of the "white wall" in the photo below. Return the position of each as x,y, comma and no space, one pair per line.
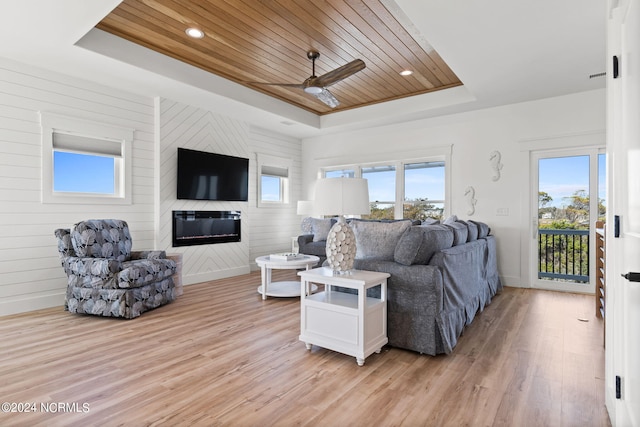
473,135
30,273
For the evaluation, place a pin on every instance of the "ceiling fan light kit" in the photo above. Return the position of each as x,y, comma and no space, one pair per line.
317,86
313,90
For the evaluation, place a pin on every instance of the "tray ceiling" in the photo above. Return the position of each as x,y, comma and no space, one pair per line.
252,42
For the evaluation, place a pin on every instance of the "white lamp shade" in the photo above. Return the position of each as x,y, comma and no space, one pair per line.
305,207
342,196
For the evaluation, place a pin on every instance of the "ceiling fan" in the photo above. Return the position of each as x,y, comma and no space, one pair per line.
317,86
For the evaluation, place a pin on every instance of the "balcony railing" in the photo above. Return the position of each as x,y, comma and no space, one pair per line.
563,255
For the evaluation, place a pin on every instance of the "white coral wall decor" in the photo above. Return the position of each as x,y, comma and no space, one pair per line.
469,195
494,159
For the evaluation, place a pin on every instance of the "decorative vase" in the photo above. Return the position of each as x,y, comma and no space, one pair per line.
341,247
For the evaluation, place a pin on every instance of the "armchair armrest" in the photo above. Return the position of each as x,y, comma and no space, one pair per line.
102,268
137,273
148,254
305,239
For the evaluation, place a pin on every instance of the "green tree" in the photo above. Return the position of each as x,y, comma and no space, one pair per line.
543,200
578,209
380,212
420,209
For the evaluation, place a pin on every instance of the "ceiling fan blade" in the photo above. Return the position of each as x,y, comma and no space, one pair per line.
295,85
340,73
327,97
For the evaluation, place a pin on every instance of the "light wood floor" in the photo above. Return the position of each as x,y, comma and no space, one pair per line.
219,355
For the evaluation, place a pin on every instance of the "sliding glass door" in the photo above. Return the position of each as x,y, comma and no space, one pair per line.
570,197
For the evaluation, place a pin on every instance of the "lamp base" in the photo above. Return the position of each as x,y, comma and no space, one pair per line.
341,247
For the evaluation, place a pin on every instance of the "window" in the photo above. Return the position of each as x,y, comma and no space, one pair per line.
424,190
382,191
85,162
340,173
273,180
409,189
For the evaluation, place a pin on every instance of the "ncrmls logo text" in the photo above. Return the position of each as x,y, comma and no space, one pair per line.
66,407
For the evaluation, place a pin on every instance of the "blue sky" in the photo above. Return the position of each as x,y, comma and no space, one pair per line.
270,188
83,173
561,177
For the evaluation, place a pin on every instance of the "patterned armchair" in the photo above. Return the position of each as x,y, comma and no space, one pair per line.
105,277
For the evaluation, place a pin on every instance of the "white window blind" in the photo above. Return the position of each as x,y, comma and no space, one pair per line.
275,171
84,144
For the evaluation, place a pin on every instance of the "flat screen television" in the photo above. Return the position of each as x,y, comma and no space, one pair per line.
211,176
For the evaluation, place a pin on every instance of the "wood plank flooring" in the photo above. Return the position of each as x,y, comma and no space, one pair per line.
220,356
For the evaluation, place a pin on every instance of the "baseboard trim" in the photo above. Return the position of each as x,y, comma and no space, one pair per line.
36,302
512,282
192,279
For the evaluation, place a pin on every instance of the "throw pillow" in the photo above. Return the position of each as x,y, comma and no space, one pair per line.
378,240
460,233
418,244
430,221
483,229
472,229
320,228
306,225
452,219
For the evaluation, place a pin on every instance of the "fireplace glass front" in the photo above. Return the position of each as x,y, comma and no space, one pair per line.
205,227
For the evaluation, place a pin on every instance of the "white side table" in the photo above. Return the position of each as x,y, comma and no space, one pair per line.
351,324
177,277
285,288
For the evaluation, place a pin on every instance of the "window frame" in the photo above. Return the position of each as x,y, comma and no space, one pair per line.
277,165
86,132
443,155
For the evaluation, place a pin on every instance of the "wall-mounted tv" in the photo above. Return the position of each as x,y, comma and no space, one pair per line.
211,176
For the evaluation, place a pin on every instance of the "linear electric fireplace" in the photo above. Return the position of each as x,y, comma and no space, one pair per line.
205,227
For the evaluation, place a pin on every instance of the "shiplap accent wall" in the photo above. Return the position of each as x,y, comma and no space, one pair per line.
264,230
30,273
185,126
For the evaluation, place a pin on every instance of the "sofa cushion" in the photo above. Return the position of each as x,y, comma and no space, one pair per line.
102,238
378,240
320,228
460,232
483,229
450,220
430,221
418,244
472,230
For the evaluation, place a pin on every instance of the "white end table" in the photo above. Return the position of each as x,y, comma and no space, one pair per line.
351,324
285,288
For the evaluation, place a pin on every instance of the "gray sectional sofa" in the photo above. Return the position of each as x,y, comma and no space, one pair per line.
441,276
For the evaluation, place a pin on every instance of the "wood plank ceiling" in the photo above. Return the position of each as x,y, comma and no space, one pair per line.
266,41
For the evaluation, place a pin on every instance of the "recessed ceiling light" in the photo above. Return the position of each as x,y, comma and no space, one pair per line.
406,72
194,33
